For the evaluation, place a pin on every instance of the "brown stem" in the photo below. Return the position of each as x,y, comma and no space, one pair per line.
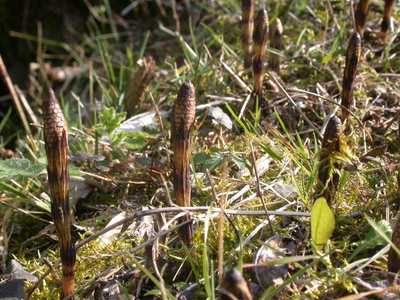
233,286
183,120
361,14
328,179
247,31
56,144
387,13
260,44
394,259
276,43
353,55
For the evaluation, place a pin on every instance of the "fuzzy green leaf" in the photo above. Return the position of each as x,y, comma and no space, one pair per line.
12,168
322,223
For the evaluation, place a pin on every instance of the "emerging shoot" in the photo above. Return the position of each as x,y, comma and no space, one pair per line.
386,19
247,31
327,177
183,118
233,286
276,43
138,85
56,144
353,55
360,15
260,45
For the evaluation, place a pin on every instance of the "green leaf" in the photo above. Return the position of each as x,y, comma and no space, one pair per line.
12,168
322,223
208,161
137,140
373,239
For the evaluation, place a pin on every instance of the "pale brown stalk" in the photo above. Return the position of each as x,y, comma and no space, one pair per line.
353,55
183,117
247,31
56,144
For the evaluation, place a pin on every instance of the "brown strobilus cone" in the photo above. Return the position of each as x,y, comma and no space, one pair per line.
247,31
183,117
233,286
353,55
260,45
138,85
394,258
328,179
387,13
276,43
56,144
360,15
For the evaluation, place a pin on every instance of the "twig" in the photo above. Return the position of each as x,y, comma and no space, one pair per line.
220,266
198,209
14,96
253,159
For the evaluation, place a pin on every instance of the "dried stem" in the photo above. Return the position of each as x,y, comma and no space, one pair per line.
233,286
14,96
387,13
361,15
276,42
328,178
56,144
183,120
139,83
247,31
353,55
260,45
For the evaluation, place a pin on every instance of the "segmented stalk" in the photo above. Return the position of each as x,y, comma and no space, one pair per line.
387,13
260,45
247,31
276,43
56,144
361,14
353,55
183,120
233,286
328,178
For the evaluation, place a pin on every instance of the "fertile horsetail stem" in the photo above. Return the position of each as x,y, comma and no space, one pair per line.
233,286
56,144
138,85
328,179
353,55
394,258
276,43
387,13
183,120
247,31
361,14
260,44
